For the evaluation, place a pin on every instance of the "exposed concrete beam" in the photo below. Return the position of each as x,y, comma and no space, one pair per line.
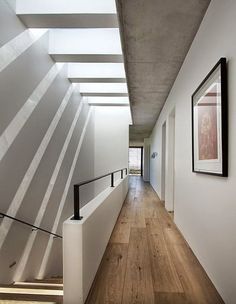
109,104
69,20
105,94
98,80
87,58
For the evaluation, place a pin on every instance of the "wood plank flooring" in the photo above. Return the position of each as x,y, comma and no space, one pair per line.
147,260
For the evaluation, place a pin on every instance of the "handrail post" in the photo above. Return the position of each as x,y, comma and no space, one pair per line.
112,180
77,187
76,204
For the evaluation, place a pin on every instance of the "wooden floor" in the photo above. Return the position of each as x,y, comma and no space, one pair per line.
147,259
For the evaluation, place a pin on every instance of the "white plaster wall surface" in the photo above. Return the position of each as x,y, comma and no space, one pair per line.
100,153
8,20
23,65
39,159
205,209
36,114
111,142
85,241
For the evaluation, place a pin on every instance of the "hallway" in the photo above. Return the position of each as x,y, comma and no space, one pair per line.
147,260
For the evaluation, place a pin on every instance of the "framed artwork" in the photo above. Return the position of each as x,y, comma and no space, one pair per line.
210,123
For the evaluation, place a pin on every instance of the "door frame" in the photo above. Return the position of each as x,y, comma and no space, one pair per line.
170,162
138,147
163,161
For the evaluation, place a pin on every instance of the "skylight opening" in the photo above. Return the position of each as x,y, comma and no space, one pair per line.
37,32
96,70
85,41
103,88
108,100
65,7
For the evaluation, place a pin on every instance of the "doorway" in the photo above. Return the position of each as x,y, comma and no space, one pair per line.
171,161
163,163
168,162
136,161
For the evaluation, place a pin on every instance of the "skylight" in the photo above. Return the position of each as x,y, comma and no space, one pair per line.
65,7
85,41
103,88
108,100
85,35
99,70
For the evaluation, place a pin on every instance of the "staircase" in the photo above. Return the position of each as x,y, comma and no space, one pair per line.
35,291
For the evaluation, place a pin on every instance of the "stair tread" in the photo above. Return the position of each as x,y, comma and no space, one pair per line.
7,301
49,280
19,290
29,286
27,297
49,290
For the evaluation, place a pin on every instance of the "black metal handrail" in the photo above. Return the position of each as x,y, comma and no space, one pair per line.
77,186
2,215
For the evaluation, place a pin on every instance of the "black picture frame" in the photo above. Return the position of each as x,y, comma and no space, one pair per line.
210,123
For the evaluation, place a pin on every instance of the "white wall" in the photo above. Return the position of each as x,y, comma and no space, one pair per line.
85,241
111,141
47,144
107,140
37,153
205,208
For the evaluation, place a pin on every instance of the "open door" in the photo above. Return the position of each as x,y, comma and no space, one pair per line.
136,161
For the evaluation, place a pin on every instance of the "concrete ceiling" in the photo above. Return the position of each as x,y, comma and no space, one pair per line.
156,36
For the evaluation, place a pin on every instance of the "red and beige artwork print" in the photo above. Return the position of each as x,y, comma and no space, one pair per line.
207,125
